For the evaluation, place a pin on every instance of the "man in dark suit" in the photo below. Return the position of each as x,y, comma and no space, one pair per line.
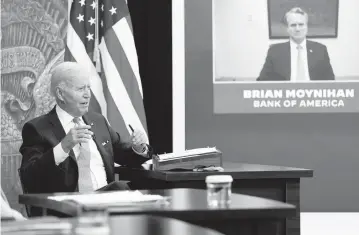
299,59
71,149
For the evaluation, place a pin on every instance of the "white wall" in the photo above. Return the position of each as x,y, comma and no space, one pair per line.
241,39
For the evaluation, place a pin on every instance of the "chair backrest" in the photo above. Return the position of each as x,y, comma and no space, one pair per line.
24,190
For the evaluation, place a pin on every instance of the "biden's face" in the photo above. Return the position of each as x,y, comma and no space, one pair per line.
76,95
297,27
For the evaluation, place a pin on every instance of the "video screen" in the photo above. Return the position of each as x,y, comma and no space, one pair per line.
285,56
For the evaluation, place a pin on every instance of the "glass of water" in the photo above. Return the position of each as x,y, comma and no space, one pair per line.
219,189
93,220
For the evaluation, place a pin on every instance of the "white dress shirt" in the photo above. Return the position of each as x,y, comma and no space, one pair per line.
293,59
98,173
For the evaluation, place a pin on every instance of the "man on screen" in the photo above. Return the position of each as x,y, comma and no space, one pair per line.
298,59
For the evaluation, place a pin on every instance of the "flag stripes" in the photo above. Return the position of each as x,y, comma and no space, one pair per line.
118,88
120,59
124,35
114,116
78,52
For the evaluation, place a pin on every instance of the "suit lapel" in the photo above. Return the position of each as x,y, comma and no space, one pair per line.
96,129
310,57
57,128
286,66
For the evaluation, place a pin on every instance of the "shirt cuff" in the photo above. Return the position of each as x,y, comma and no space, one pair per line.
141,149
59,154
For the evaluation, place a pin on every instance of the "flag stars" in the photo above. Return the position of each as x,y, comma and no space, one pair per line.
93,5
101,23
102,7
80,18
113,10
89,36
92,21
82,2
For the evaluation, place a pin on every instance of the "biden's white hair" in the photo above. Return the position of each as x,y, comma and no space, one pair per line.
64,72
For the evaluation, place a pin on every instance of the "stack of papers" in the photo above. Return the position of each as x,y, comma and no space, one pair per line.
187,153
117,198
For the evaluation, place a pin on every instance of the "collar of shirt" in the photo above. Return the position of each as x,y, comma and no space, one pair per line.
64,117
294,45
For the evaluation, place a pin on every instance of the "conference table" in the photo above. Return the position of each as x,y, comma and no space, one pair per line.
124,225
273,182
245,215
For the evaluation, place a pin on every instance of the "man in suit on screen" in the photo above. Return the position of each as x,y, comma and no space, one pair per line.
299,59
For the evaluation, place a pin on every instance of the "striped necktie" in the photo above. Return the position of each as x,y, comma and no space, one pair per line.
83,162
300,64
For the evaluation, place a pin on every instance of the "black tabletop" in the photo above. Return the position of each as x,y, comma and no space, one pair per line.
237,170
183,204
135,224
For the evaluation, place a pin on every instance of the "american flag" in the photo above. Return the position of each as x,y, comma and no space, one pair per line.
117,88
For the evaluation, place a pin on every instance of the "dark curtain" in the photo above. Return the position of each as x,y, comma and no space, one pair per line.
152,26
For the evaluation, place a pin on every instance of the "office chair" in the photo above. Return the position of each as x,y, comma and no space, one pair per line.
24,191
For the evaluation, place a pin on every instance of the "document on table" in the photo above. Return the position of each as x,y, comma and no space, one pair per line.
36,225
186,153
117,198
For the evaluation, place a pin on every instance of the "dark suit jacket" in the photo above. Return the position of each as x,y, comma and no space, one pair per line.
277,66
39,172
